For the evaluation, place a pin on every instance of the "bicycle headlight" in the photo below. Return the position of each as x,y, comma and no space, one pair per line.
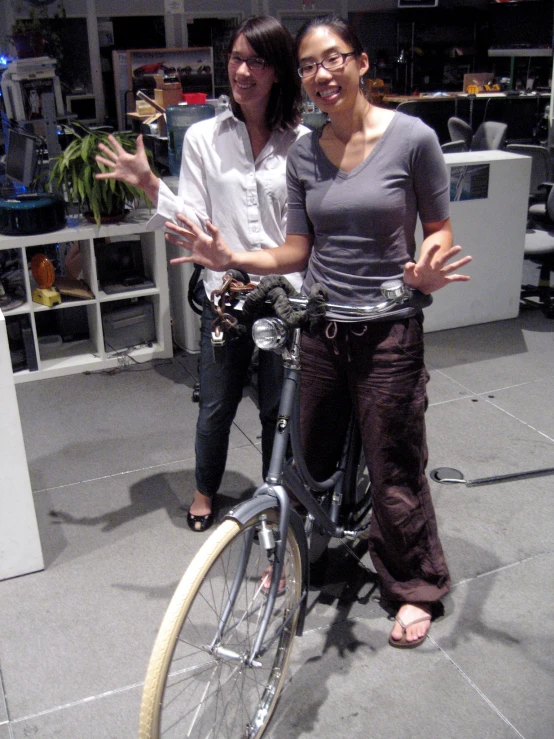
269,333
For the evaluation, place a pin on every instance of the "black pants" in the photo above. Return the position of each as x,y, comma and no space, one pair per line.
221,389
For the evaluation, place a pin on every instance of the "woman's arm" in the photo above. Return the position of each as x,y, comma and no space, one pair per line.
432,270
209,249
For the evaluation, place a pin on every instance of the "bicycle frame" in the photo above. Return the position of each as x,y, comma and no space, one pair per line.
284,477
295,478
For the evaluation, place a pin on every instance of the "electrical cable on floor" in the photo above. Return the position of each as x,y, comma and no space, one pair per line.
125,356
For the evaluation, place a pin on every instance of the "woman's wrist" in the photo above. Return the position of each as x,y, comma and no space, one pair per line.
150,185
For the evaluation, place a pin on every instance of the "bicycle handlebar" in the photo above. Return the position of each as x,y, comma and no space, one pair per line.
395,292
296,310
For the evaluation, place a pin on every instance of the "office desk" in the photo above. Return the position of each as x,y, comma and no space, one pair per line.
521,113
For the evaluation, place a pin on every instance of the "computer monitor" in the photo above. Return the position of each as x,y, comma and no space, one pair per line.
21,157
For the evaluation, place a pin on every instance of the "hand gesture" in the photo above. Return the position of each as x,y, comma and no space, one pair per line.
432,271
208,249
133,169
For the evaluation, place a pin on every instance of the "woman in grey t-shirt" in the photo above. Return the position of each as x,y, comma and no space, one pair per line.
355,190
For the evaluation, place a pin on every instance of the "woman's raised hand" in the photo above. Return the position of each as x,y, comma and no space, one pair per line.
208,249
434,270
132,169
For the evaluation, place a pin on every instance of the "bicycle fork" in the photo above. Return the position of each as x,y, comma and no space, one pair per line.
270,495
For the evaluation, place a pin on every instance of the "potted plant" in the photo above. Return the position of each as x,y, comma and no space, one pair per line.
72,175
35,36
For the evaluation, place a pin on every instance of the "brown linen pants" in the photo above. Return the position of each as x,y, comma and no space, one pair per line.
379,367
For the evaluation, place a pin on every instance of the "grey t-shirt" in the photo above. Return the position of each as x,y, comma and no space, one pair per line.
363,221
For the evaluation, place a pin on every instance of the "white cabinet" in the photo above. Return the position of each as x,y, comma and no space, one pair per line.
35,348
490,226
20,550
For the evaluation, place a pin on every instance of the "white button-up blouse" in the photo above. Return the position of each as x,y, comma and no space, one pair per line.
220,180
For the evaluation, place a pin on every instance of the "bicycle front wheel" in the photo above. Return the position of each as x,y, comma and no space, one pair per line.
200,682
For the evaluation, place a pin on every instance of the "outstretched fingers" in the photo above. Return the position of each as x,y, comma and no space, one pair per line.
453,267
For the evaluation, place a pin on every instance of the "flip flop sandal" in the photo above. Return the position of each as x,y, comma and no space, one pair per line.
403,643
199,523
267,576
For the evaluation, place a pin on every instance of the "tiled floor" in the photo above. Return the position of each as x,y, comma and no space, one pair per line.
111,459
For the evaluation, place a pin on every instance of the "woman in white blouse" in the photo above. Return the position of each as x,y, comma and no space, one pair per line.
232,173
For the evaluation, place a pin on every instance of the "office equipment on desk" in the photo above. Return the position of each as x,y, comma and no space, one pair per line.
24,83
127,326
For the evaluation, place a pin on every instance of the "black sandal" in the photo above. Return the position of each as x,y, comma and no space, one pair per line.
199,523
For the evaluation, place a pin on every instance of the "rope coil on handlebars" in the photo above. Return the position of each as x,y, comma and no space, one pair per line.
271,295
277,290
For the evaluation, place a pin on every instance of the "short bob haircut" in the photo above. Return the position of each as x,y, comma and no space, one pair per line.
334,23
272,42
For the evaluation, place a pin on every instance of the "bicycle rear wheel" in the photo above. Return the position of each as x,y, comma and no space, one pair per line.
198,682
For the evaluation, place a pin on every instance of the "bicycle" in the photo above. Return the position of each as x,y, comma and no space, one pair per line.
221,654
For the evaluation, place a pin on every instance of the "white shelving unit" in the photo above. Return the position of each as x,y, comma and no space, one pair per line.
92,353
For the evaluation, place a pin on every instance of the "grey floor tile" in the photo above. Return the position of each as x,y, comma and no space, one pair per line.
189,362
442,388
5,732
109,716
347,681
531,332
488,375
481,439
501,636
108,424
3,708
527,403
84,426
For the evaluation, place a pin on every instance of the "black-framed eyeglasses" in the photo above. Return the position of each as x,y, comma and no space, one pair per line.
333,61
254,63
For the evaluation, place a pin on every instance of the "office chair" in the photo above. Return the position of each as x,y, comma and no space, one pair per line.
459,130
489,135
539,248
453,147
542,176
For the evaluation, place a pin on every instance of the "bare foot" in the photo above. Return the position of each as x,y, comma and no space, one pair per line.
410,614
267,577
201,505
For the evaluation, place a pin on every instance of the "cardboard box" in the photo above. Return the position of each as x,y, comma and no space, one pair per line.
168,97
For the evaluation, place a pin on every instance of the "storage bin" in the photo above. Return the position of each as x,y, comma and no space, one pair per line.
179,119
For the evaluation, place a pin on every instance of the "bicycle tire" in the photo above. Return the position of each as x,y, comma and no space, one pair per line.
363,489
357,482
190,689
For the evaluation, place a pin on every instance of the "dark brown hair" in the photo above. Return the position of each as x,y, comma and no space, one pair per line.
272,42
339,26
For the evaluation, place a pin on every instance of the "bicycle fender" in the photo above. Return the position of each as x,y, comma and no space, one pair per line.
252,507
